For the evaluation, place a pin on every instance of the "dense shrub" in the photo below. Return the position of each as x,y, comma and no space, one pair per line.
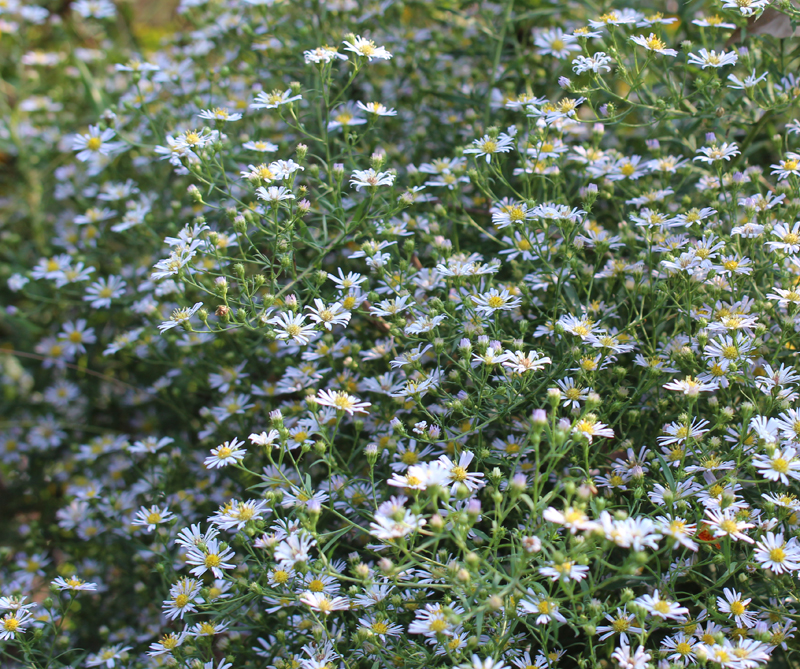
412,334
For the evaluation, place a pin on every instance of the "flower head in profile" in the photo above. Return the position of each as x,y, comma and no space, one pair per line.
705,58
691,387
371,179
324,603
376,109
274,194
179,316
366,48
73,584
323,54
746,7
342,401
654,44
274,99
219,114
713,153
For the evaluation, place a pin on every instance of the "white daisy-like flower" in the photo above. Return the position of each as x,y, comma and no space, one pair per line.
342,401
366,48
654,44
225,454
274,100
780,466
736,607
324,603
150,518
662,608
495,300
371,179
705,58
219,114
73,584
555,42
179,317
777,555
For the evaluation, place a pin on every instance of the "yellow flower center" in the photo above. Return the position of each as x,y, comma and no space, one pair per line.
495,301
737,608
777,555
516,214
662,606
343,401
213,560
265,173
438,625
620,625
655,43
566,105
458,473
780,465
181,601
410,458
94,144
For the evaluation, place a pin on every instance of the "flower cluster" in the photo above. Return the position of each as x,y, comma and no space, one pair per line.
400,348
